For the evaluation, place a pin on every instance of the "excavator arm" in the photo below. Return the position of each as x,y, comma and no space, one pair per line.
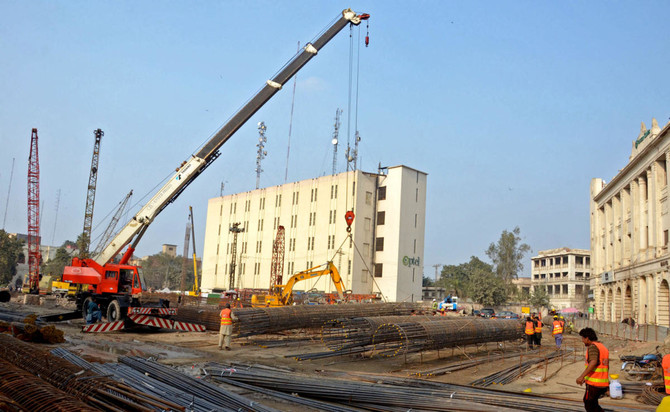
190,169
287,289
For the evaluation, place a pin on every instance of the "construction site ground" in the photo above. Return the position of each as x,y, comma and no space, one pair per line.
191,350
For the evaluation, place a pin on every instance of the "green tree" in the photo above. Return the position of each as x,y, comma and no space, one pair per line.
507,256
10,250
82,244
164,271
486,288
427,281
54,267
539,298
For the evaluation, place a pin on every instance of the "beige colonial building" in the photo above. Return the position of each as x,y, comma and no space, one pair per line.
629,234
566,275
383,255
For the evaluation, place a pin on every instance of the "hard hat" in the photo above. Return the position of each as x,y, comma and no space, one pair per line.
555,316
561,316
433,300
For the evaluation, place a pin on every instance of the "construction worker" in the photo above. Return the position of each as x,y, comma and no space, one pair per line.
666,365
93,313
596,373
538,331
557,331
434,304
226,329
530,331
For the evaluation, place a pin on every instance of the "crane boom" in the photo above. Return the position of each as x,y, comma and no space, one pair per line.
90,194
191,168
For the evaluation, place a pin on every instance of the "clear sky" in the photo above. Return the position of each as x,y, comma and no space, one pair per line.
511,107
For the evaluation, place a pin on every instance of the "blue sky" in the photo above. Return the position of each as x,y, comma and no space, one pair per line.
511,107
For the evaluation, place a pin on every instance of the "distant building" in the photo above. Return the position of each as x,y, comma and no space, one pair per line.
524,284
566,275
629,234
170,250
384,254
433,292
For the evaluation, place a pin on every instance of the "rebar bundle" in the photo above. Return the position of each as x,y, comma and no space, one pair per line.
339,334
651,394
392,339
96,391
512,373
33,394
254,321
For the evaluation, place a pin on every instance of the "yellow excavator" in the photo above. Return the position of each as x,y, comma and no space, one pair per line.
282,295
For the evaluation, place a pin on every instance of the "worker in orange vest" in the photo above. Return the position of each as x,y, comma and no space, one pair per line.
596,373
530,331
666,367
226,330
557,332
538,331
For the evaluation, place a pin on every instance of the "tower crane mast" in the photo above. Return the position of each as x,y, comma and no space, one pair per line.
34,255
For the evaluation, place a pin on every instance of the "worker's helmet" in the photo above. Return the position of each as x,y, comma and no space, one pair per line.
561,316
433,300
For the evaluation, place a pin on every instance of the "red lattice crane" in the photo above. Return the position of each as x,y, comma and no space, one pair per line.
90,196
277,264
34,255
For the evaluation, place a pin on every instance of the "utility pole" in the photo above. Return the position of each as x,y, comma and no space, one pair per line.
235,229
437,266
261,151
11,175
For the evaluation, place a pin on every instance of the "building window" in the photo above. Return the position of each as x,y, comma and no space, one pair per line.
310,243
333,191
381,193
550,289
366,249
379,267
217,249
536,276
414,246
312,219
379,244
565,289
368,198
381,218
543,263
365,276
332,218
291,245
278,201
367,223
417,195
295,197
349,267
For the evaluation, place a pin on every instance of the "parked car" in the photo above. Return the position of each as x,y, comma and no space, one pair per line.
476,312
507,315
487,313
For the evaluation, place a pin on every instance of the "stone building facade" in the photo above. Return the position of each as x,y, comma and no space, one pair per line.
383,255
566,275
629,234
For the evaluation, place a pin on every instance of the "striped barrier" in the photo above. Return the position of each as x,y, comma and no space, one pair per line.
165,323
104,327
153,311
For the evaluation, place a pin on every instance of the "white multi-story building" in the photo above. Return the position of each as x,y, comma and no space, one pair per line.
566,275
382,253
629,234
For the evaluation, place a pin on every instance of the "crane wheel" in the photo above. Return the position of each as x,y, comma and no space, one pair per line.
113,311
84,306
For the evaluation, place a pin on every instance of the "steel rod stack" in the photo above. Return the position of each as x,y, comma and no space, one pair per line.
33,394
392,339
512,373
96,391
254,321
383,393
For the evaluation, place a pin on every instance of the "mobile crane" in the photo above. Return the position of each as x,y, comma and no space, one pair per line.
118,286
282,295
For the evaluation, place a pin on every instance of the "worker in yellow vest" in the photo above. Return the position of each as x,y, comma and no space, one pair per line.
529,330
226,329
538,331
596,373
557,332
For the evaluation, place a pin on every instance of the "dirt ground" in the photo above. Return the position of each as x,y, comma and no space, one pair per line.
191,350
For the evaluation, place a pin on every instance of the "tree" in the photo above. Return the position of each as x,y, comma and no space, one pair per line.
486,288
539,298
507,256
164,271
458,278
10,250
82,244
427,281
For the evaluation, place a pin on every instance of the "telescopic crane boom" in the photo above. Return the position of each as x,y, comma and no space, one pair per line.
121,276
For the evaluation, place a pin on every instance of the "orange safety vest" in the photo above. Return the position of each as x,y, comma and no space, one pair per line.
538,328
600,376
226,318
666,373
530,329
558,328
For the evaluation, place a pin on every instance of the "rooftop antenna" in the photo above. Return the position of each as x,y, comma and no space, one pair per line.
11,175
261,152
336,134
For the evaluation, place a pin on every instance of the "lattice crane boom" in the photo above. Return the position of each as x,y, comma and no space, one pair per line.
34,255
277,265
90,195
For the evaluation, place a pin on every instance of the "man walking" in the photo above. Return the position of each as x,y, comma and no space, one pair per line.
226,330
530,331
557,332
596,374
538,331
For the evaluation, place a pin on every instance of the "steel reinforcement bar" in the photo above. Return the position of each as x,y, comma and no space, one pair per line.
392,339
255,321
